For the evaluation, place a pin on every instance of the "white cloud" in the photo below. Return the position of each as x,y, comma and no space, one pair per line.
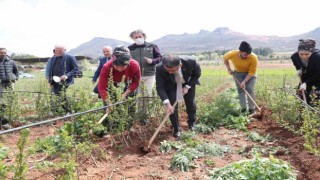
35,26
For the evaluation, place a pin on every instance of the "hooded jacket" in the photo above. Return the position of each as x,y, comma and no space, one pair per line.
8,69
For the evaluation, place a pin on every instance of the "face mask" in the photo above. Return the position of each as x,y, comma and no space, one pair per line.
139,41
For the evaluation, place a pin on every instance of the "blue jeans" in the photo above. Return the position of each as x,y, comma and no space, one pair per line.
249,87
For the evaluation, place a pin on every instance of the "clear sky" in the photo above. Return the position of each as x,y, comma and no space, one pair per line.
35,26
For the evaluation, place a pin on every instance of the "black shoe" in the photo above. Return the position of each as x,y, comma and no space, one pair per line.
176,134
243,110
251,111
191,127
3,121
144,122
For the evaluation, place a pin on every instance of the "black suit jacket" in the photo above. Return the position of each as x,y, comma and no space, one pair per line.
165,82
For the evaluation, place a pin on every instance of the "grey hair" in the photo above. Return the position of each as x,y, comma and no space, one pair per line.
107,47
171,60
60,46
1,48
138,31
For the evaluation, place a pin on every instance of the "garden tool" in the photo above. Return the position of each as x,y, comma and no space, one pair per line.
146,143
103,118
261,110
303,92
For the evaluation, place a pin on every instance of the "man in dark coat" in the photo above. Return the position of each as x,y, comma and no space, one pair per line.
107,52
176,80
8,71
61,71
8,75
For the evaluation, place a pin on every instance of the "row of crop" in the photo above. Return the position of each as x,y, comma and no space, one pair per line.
279,93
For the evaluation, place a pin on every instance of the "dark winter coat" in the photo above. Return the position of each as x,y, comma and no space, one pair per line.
310,74
8,70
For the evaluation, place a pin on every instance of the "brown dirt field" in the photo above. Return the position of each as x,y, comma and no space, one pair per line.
307,165
275,66
132,163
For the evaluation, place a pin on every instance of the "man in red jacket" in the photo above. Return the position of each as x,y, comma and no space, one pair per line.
121,68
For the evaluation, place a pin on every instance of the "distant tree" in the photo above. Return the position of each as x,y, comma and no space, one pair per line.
22,56
263,51
222,52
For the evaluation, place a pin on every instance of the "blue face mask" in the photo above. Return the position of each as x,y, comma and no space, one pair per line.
139,41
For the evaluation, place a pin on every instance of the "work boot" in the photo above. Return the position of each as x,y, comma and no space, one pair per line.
176,134
191,126
251,111
243,110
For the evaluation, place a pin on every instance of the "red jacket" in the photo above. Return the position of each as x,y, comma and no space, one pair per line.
131,75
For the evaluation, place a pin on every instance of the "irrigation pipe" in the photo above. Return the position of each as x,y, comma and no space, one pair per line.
64,117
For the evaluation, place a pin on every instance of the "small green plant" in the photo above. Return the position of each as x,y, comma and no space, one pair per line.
209,162
3,167
183,159
203,128
249,151
310,128
187,135
168,146
256,137
213,149
257,168
21,158
224,112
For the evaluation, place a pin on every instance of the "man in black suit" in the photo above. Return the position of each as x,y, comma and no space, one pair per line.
176,79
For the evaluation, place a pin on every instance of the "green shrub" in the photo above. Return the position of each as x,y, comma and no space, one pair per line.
257,168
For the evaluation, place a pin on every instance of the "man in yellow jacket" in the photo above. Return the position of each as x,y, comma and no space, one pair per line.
245,65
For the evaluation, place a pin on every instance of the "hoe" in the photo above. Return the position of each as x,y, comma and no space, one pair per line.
261,110
146,143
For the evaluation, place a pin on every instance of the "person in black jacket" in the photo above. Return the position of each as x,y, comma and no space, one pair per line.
62,68
107,52
8,71
307,63
176,79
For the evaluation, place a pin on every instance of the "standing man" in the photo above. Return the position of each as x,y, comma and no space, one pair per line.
147,55
107,52
48,65
62,68
8,76
8,71
245,64
176,80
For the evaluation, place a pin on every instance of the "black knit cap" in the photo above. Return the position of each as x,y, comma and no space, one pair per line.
121,50
245,47
122,60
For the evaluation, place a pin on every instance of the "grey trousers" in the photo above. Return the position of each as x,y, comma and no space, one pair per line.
249,87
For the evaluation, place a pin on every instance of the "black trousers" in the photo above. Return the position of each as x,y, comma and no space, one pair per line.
5,85
190,102
60,92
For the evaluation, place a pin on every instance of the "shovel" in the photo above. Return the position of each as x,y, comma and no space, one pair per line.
146,143
261,110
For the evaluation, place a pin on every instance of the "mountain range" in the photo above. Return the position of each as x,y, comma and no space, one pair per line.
221,38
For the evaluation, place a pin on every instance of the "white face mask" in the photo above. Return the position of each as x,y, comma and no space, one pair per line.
139,41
